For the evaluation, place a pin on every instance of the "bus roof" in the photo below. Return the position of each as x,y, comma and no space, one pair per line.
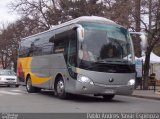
77,20
85,19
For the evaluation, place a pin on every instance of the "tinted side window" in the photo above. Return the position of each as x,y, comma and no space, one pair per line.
35,49
61,41
61,46
36,46
47,48
43,46
24,48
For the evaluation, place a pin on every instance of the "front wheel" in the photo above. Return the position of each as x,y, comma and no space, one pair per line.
60,89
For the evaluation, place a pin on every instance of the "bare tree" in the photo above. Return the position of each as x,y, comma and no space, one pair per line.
121,12
34,9
137,17
52,12
5,49
11,36
153,31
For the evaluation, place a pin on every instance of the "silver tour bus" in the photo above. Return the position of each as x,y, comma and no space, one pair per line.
87,55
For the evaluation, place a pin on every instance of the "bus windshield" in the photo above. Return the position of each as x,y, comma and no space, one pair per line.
105,44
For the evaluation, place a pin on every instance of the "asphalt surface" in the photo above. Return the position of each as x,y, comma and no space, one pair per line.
17,100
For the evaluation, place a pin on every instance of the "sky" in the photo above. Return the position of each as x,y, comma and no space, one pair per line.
6,16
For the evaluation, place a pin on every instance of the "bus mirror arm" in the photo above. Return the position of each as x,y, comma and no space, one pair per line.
144,43
143,38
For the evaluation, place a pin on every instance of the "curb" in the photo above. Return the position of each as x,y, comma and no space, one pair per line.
146,97
157,92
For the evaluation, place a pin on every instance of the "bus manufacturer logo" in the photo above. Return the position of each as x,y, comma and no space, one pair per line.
111,80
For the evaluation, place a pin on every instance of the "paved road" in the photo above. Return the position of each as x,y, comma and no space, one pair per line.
17,100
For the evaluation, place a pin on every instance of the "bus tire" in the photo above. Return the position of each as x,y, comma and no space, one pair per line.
29,87
108,97
60,89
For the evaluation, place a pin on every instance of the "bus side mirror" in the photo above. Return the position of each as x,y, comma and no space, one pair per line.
144,42
143,38
80,33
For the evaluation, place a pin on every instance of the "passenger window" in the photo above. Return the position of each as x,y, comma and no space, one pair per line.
47,49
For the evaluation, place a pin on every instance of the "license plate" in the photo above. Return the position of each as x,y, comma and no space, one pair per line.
109,91
11,81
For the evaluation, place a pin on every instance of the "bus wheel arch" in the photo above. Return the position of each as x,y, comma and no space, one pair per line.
28,76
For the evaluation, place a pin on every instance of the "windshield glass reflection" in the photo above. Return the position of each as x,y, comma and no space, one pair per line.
105,43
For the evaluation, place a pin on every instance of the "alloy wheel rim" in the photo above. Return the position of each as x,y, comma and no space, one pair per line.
60,88
28,84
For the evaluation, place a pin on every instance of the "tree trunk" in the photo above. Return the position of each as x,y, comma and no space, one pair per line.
148,52
138,28
146,71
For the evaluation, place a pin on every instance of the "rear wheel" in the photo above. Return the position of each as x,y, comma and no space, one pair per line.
60,89
30,88
108,97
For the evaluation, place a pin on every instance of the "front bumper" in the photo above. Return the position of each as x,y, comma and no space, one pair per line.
101,89
8,83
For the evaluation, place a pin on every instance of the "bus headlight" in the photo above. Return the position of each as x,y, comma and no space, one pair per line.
131,82
84,79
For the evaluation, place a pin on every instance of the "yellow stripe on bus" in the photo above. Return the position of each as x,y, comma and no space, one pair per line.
26,67
39,80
